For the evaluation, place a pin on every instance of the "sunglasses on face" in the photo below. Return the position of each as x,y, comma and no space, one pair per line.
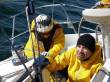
44,22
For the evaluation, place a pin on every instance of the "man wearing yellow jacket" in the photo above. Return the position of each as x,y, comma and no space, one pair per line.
46,37
83,61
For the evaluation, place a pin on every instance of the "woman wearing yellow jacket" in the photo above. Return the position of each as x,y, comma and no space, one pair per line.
83,61
46,37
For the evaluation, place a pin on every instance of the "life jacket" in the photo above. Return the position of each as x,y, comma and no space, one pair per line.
47,41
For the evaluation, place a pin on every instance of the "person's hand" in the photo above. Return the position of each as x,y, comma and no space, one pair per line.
98,3
45,53
41,62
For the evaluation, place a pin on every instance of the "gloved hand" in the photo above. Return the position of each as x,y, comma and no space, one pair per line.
41,62
45,53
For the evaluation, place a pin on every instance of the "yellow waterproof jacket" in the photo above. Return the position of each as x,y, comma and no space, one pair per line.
107,2
77,71
56,46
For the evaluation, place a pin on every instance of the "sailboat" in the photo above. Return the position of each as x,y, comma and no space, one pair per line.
13,69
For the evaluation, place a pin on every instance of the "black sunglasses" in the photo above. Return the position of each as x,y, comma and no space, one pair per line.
45,22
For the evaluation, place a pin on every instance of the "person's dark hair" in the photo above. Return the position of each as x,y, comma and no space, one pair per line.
88,41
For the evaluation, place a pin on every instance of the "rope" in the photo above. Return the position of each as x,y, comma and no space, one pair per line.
12,40
29,28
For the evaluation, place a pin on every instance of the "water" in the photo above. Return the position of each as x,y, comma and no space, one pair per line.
9,8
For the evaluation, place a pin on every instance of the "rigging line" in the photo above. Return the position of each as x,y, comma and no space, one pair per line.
103,53
104,56
12,40
36,35
73,6
68,19
66,22
59,5
39,69
9,39
49,6
89,29
36,8
53,10
96,31
29,28
79,26
20,34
